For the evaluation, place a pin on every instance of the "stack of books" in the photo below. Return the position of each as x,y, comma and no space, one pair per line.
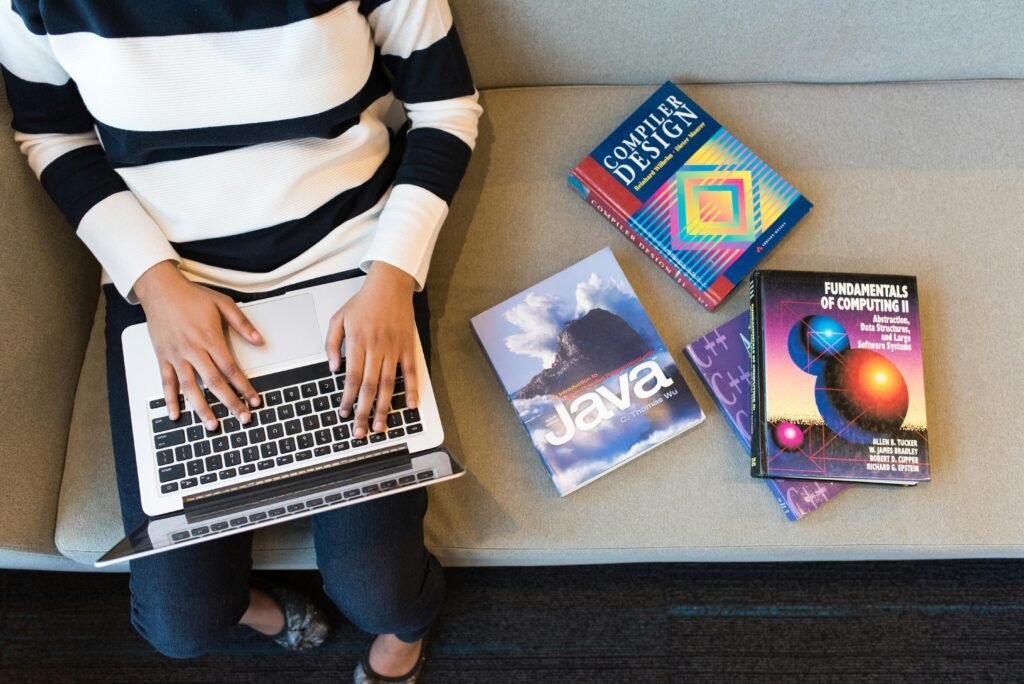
821,379
823,382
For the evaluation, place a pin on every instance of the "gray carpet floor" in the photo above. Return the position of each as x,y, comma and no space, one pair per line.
928,622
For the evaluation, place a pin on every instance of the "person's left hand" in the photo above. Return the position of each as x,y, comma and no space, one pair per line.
379,330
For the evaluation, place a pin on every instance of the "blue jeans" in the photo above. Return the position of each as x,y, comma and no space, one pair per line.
371,555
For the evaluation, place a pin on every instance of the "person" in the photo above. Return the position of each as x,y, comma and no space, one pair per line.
214,152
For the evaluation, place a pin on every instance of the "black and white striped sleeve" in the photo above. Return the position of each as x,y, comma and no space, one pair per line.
429,76
55,132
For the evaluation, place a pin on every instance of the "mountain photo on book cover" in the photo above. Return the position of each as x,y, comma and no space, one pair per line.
586,371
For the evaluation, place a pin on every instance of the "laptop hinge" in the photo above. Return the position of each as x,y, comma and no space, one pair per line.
292,481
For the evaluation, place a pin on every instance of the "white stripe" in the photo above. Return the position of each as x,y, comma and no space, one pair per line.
458,116
25,54
218,79
259,186
407,230
401,27
124,239
43,148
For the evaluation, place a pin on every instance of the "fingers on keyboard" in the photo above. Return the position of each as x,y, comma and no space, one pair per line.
299,421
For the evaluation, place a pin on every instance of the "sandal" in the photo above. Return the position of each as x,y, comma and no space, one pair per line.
305,625
364,674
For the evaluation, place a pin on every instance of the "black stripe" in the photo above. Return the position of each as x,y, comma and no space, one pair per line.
438,72
134,18
135,148
80,179
434,160
263,250
46,108
30,14
366,7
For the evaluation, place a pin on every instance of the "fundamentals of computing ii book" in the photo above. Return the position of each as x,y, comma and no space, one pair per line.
722,359
838,378
586,371
689,194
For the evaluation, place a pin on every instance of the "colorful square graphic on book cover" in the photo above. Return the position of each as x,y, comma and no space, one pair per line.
716,209
586,371
713,210
689,194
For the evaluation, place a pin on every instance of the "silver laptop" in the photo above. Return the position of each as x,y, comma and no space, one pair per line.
298,457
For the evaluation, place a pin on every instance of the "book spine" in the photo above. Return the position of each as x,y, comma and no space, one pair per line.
757,450
605,206
595,198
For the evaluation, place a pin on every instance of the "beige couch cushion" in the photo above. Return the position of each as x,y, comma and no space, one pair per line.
911,178
48,284
551,42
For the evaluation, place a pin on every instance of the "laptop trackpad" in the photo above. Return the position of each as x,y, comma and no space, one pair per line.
289,328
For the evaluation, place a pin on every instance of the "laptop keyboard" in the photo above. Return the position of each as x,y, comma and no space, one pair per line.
297,421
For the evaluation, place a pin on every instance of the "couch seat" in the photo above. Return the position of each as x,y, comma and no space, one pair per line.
921,178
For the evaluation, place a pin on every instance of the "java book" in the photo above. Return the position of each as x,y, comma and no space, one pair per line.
586,371
689,194
722,360
838,378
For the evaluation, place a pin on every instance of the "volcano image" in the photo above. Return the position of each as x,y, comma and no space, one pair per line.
594,344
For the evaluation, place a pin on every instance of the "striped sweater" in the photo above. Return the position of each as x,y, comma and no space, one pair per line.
255,142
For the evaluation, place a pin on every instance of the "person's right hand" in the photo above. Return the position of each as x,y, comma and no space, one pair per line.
187,327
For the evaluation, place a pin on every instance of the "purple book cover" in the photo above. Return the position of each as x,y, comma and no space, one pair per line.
722,359
838,378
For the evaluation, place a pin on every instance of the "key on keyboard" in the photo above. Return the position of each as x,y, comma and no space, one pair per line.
297,421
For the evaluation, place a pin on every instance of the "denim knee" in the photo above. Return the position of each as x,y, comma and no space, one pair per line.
182,620
385,603
180,632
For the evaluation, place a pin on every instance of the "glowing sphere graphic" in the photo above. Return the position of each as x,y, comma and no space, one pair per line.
861,395
813,340
788,436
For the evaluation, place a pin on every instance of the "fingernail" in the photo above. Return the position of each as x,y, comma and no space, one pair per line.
378,426
359,433
256,337
246,418
413,403
211,425
343,412
254,402
334,366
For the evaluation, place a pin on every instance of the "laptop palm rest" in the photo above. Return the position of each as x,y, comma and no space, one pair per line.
289,329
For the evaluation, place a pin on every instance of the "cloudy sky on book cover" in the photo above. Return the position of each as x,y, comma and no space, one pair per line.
586,371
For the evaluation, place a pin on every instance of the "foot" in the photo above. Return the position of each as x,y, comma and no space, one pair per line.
300,625
390,659
264,614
